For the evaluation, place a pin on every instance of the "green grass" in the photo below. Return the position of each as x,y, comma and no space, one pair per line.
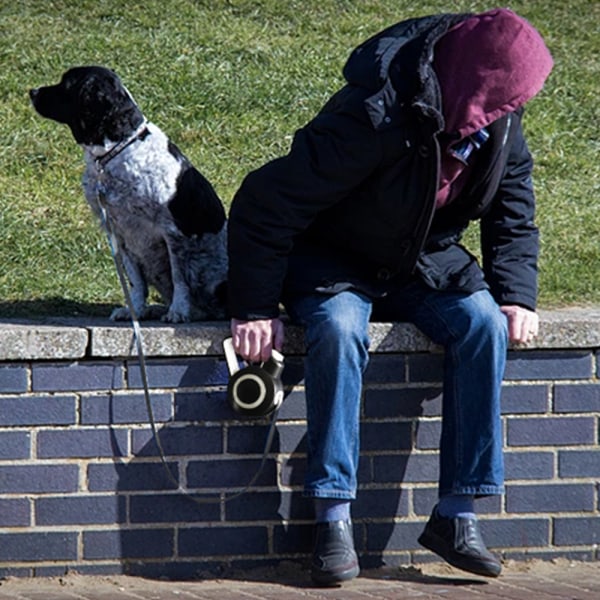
230,82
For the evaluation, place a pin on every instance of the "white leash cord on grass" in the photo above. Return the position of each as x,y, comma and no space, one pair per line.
137,334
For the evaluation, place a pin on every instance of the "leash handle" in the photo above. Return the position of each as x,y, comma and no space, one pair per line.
230,357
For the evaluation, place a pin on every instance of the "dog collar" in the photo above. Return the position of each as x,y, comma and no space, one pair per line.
139,133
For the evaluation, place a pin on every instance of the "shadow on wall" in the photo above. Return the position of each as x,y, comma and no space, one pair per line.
53,306
212,452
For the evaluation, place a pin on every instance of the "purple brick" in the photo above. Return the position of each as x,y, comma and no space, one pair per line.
130,477
38,547
294,539
516,533
551,365
385,436
13,379
365,470
402,402
251,439
173,508
386,369
37,410
293,470
267,506
123,407
579,463
290,438
15,513
230,473
380,504
184,373
550,498
529,465
202,406
223,541
293,506
179,441
558,431
15,445
96,510
425,498
133,544
522,399
76,377
582,398
413,468
425,368
293,407
393,536
575,531
31,479
428,435
82,443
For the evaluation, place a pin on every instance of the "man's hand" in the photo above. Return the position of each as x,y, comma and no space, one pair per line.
522,323
254,340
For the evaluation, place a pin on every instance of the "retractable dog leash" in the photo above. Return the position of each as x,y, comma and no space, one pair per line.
254,390
244,384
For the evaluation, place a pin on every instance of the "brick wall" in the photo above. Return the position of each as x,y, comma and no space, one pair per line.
82,486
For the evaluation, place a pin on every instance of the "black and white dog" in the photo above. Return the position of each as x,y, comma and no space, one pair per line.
169,222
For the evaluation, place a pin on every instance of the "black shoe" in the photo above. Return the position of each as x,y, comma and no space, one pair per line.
458,541
334,559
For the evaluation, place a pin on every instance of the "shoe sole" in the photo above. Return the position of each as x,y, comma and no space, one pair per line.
439,547
332,579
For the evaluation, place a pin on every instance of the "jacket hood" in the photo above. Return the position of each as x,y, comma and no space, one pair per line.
488,65
395,65
369,64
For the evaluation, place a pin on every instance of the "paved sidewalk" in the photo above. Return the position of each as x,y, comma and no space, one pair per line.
537,580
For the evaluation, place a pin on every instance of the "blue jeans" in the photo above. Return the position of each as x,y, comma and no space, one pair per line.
472,331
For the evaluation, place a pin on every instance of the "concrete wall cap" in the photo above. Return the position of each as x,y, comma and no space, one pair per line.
74,338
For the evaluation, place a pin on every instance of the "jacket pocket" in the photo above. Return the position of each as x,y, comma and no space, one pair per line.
451,268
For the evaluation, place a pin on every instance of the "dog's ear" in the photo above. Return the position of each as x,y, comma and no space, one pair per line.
94,105
105,109
195,207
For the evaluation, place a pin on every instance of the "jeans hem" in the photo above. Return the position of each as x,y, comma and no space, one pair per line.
338,495
477,491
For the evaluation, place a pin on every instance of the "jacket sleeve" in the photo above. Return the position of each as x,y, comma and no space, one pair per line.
509,237
328,158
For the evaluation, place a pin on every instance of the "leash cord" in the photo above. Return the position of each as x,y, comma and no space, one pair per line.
137,334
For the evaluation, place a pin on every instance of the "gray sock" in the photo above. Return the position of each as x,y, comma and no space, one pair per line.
457,505
331,509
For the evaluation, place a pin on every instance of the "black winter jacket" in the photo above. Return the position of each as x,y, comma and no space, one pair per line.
353,203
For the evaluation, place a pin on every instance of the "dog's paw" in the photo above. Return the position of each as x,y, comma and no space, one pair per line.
174,316
120,314
154,312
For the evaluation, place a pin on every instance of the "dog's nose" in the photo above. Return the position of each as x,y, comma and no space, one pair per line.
33,93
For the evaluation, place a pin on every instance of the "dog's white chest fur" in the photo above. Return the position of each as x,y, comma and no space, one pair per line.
140,179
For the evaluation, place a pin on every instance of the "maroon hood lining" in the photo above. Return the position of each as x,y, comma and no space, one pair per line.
488,65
